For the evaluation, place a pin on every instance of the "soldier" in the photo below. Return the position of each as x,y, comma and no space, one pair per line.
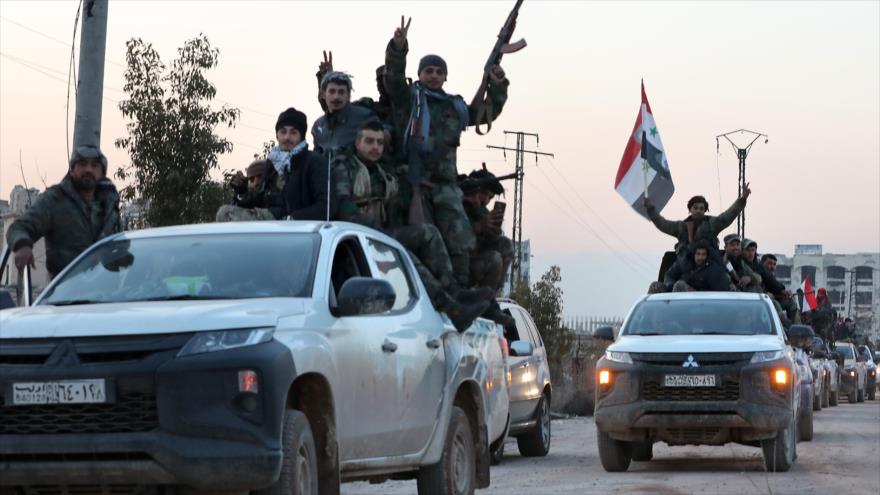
743,277
697,272
823,316
698,225
494,252
782,295
72,215
367,191
302,175
335,131
434,121
256,196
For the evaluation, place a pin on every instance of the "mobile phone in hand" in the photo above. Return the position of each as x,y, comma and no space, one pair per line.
500,206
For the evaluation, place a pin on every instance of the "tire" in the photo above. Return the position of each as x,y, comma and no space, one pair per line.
642,451
780,452
817,403
805,425
299,469
536,442
872,394
833,399
456,473
826,393
497,455
860,396
614,454
852,396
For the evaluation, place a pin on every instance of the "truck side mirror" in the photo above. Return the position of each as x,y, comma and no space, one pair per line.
801,336
521,348
6,300
364,296
604,333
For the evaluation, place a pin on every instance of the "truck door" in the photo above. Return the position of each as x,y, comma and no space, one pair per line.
418,352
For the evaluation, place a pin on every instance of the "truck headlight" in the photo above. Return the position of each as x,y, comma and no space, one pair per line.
223,340
618,357
765,356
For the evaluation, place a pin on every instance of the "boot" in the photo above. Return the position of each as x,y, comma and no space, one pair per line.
494,313
462,315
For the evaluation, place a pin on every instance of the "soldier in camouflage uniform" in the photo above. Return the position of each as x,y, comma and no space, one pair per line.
256,196
367,193
432,121
744,279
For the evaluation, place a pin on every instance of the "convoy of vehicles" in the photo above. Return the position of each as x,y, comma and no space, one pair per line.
855,372
870,372
825,365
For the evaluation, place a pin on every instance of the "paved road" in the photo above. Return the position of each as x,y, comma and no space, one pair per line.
843,458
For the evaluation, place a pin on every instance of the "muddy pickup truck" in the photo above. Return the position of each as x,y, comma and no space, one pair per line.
263,358
700,368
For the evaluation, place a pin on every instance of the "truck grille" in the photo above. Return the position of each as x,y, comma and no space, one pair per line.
729,390
132,412
692,435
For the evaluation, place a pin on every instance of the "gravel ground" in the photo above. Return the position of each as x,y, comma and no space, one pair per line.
843,458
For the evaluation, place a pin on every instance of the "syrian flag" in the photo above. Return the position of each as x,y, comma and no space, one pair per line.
643,169
809,301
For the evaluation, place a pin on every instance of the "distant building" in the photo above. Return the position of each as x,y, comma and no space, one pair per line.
525,264
852,281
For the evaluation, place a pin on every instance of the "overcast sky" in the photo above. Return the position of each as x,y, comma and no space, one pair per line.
805,73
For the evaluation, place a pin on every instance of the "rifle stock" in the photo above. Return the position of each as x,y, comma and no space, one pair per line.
485,114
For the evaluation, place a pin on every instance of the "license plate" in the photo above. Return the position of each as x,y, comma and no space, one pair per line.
60,392
689,381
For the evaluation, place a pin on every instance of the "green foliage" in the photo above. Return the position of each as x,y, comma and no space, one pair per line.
171,140
543,301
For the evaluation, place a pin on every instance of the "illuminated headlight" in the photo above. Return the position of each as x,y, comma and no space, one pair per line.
765,356
618,357
229,339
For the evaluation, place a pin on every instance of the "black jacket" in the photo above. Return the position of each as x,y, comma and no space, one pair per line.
305,188
710,276
336,132
768,280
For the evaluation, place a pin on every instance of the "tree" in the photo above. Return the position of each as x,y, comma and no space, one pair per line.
544,303
171,140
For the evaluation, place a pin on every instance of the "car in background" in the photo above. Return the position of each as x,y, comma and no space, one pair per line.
870,373
530,385
829,372
854,372
260,357
700,368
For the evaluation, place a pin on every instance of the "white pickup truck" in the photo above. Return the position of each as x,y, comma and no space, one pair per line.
265,358
701,368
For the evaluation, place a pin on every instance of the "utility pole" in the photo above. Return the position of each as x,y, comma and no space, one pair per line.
741,154
516,267
90,87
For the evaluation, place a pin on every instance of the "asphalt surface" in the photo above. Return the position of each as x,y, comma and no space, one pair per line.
842,459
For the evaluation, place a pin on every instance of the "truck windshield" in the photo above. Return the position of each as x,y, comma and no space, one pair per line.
845,351
700,317
220,266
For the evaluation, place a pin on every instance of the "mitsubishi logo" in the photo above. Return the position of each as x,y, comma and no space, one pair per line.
63,355
690,362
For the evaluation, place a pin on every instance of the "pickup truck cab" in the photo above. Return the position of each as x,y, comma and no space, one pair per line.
855,372
264,357
822,360
699,368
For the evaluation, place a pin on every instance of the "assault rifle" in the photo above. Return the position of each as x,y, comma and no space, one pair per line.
415,141
482,107
468,184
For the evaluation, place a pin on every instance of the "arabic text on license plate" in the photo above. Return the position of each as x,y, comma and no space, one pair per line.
60,392
689,381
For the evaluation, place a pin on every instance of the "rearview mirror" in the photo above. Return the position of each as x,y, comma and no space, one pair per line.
604,333
6,300
364,296
521,348
801,336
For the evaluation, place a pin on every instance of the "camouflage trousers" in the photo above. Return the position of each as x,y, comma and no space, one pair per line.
232,213
490,263
429,255
443,208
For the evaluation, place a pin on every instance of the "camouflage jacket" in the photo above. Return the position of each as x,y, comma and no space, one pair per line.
742,269
68,223
364,191
485,233
687,232
444,136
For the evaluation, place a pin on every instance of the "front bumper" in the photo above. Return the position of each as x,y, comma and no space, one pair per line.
743,407
168,420
848,382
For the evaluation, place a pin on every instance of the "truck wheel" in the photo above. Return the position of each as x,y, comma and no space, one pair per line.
536,442
832,398
852,396
872,394
299,469
860,397
826,393
780,452
805,425
614,454
642,451
456,473
817,402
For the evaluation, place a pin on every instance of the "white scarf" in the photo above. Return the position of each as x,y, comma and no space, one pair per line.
281,159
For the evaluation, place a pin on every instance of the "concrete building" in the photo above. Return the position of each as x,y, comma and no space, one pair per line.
525,263
852,281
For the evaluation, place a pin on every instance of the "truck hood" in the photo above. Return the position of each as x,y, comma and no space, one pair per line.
147,317
697,343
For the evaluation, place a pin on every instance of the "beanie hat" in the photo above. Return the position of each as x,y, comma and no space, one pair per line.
337,77
748,242
730,238
294,118
435,60
85,152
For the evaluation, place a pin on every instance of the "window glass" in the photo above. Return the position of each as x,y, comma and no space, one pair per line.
536,335
522,327
215,266
700,317
392,269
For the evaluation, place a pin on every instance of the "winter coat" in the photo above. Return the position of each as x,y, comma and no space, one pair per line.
67,222
304,189
687,231
335,132
710,276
